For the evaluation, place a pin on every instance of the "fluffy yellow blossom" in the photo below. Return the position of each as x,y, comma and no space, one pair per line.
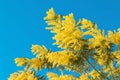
69,36
83,77
98,40
36,63
69,21
94,74
29,75
65,58
53,76
52,19
50,14
117,56
66,77
86,24
114,37
13,76
39,50
21,61
101,58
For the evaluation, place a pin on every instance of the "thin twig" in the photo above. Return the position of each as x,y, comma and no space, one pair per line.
95,68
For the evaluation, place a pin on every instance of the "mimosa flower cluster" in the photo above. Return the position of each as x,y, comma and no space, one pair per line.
84,49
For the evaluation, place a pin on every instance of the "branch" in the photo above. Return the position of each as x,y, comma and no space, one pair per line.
94,68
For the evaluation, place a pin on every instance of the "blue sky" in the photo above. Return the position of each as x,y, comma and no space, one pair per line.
22,24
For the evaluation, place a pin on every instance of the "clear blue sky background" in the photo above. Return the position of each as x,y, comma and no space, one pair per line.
22,24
